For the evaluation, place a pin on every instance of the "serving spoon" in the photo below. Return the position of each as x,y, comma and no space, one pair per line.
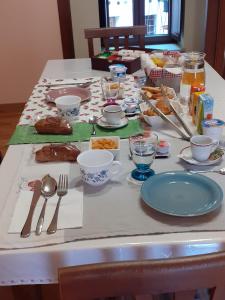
48,189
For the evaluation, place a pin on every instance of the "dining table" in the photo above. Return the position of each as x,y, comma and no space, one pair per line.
116,225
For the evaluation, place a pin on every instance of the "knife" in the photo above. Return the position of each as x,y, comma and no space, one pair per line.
27,226
77,84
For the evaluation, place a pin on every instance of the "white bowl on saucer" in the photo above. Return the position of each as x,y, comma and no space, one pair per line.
186,155
102,122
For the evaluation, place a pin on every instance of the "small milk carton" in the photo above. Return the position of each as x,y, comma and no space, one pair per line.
204,110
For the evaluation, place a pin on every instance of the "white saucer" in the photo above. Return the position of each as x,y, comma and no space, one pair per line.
137,112
186,155
103,123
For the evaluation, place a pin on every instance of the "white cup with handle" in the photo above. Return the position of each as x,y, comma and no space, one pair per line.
113,114
98,166
69,106
202,146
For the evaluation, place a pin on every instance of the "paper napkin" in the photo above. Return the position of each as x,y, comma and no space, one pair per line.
70,211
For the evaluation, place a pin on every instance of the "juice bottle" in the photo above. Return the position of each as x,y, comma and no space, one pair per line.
195,92
193,71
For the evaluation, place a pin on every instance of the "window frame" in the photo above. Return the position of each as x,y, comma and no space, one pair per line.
139,19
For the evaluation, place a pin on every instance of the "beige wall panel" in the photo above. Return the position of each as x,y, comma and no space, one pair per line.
194,25
30,35
84,14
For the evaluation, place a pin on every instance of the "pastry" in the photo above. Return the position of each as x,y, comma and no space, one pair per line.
155,93
60,152
53,125
151,89
160,105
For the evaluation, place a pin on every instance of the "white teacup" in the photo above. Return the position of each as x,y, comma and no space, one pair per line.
113,114
97,166
68,106
202,146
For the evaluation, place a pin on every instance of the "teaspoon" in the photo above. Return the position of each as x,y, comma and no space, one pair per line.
93,120
48,189
220,171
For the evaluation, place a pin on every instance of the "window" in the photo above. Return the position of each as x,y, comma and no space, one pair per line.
162,17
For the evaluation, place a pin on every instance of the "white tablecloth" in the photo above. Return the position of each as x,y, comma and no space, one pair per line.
39,265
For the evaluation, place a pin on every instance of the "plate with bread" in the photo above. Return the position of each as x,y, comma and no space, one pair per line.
83,93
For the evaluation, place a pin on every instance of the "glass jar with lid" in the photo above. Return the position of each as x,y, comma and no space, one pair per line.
193,74
193,68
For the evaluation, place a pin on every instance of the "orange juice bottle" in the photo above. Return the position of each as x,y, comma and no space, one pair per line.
195,92
193,71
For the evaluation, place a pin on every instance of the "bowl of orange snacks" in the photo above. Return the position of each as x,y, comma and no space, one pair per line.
110,143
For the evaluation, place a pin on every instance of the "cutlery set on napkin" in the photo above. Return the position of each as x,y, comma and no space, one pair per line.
62,207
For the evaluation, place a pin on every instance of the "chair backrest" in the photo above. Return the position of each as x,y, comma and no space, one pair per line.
181,276
113,34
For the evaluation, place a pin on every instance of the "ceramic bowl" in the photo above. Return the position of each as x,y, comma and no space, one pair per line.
157,121
103,141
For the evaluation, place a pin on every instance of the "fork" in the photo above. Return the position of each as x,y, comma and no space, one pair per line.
62,189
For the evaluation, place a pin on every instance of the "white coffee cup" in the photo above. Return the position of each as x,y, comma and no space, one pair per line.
202,146
97,166
68,106
113,114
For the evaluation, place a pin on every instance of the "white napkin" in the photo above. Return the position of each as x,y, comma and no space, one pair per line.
70,211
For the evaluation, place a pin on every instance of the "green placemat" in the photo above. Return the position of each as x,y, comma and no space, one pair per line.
25,134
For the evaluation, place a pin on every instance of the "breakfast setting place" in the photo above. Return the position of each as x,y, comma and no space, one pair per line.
116,152
147,146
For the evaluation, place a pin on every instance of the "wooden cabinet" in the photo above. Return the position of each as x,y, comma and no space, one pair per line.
31,292
215,36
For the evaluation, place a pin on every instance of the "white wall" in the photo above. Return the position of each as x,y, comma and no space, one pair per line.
30,35
84,14
194,25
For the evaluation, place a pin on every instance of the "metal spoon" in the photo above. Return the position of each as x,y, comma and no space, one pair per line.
48,189
93,121
220,171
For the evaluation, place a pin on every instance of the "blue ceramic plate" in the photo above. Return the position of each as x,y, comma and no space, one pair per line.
182,194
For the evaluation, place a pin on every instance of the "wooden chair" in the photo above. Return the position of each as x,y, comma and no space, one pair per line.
181,276
113,34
